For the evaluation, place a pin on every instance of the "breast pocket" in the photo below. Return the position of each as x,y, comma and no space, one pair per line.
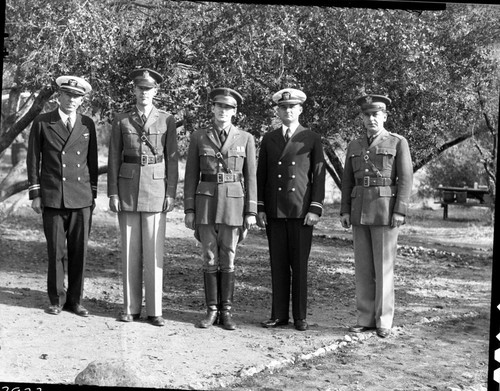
208,161
131,138
356,160
384,158
236,158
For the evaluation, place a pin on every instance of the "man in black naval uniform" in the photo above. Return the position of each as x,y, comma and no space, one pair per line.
62,177
290,193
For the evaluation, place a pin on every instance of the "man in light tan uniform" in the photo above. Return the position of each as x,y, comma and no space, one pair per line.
142,182
376,188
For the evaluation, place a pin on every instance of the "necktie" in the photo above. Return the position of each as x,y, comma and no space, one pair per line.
288,134
222,137
143,117
68,125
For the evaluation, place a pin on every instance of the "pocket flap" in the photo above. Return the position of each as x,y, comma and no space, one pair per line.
159,172
235,190
207,152
385,151
386,191
126,171
206,189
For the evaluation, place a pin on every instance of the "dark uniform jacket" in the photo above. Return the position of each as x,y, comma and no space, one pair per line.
141,178
291,176
227,202
371,194
62,167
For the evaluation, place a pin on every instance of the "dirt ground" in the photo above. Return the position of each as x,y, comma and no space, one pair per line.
439,342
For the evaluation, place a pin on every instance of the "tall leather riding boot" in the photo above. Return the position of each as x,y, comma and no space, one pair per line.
210,282
226,294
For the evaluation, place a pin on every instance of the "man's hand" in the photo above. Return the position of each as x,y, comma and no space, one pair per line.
311,219
261,219
168,204
249,222
345,220
189,220
397,220
36,205
114,204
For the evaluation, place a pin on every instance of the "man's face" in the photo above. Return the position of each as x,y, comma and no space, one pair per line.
144,95
69,102
374,121
223,113
289,112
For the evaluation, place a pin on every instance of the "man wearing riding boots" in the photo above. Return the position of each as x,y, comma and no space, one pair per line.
376,187
220,200
142,182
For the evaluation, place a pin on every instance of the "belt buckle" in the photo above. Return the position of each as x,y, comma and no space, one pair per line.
220,177
366,181
144,160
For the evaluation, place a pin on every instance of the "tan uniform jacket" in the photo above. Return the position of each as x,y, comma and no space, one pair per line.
62,167
143,187
374,204
221,203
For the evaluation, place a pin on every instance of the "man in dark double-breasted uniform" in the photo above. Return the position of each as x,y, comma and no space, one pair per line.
62,177
142,183
376,188
220,200
291,189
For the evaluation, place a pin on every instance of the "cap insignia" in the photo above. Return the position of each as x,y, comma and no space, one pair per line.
145,74
72,83
285,96
369,99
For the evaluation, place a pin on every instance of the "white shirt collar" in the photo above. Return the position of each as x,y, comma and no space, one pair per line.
145,113
292,128
64,117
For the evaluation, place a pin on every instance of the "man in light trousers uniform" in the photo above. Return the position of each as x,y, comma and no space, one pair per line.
142,183
376,187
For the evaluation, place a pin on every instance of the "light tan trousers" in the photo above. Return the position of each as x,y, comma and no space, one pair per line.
375,249
142,242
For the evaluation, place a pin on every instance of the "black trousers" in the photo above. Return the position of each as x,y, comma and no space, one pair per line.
289,247
67,233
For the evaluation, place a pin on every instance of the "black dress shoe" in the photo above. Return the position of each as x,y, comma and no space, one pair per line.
156,321
360,329
123,317
54,310
274,323
383,333
77,309
301,324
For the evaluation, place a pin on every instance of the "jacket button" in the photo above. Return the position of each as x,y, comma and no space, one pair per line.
64,165
77,152
64,179
366,170
293,176
78,165
293,163
293,188
78,178
279,163
279,175
279,188
64,153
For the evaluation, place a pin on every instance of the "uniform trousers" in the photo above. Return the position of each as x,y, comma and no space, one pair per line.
289,248
142,241
218,243
375,250
67,233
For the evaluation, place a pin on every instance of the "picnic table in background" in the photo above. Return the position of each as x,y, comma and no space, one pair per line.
463,196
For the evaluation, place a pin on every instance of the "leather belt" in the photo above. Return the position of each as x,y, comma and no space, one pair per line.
368,181
143,160
221,177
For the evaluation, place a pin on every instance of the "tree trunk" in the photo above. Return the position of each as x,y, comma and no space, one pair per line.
7,136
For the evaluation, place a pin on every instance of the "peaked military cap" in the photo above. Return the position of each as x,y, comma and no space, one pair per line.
289,96
145,77
75,85
373,102
227,96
